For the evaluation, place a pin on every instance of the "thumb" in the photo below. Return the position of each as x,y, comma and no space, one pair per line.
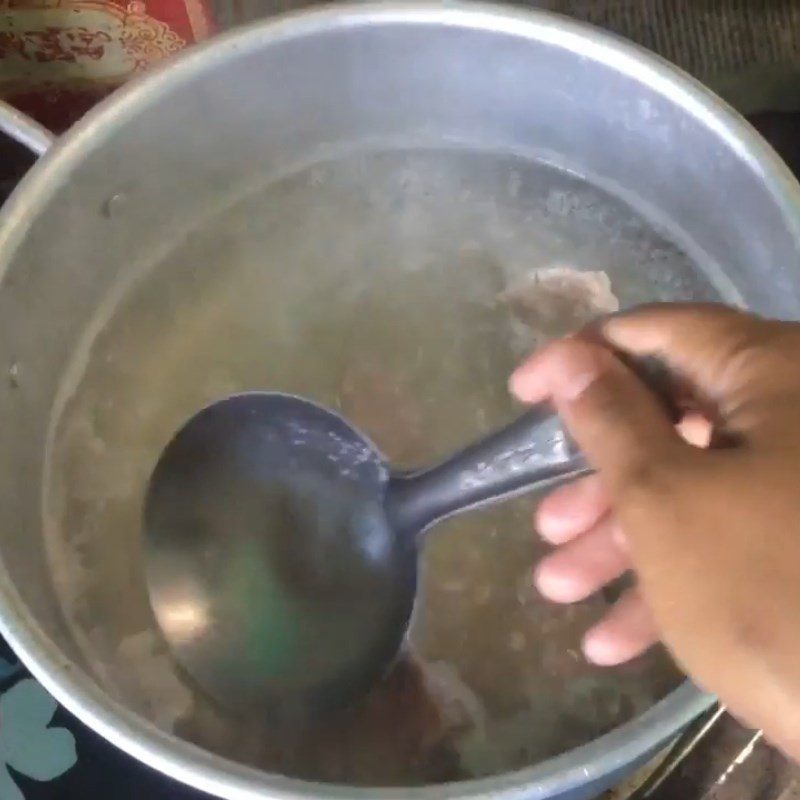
709,346
740,369
618,424
698,339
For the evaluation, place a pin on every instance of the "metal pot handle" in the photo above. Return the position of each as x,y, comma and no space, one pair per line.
24,130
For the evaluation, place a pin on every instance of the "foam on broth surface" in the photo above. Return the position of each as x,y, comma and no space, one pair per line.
386,285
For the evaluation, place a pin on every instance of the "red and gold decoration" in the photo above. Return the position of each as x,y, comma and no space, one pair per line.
59,57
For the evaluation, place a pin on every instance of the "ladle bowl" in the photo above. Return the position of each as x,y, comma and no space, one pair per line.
281,548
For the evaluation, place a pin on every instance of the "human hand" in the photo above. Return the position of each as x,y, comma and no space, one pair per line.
713,535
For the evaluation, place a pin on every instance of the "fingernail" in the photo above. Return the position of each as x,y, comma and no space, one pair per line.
599,649
553,527
553,585
516,383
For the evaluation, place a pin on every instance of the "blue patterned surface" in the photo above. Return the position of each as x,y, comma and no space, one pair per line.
47,754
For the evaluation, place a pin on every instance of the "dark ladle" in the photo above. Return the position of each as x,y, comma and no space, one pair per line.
281,548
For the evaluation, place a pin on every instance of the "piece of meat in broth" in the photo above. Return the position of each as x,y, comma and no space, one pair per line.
554,301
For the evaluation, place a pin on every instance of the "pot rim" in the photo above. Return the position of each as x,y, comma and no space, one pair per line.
72,686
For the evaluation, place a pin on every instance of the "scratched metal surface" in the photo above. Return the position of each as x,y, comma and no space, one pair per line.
748,51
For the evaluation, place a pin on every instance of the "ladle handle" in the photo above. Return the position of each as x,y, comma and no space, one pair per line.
531,452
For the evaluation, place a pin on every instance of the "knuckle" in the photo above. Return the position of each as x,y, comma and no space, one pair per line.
644,482
605,401
753,356
787,348
656,480
750,629
762,349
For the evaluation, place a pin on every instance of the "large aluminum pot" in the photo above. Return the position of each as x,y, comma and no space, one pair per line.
167,152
